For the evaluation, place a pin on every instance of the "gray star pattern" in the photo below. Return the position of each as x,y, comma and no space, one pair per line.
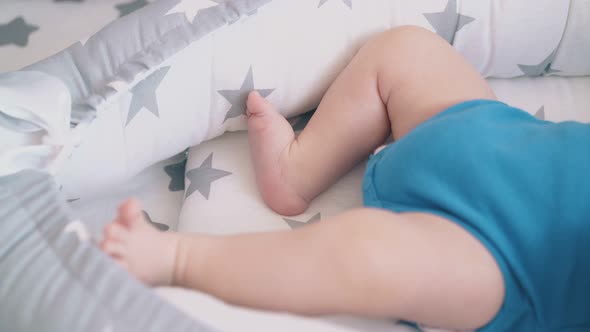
144,94
296,224
449,21
542,68
347,2
16,32
237,98
159,226
301,121
201,178
128,8
176,173
540,113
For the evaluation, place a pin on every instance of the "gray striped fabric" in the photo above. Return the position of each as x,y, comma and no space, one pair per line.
54,279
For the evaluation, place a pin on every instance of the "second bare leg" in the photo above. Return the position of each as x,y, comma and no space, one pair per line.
399,79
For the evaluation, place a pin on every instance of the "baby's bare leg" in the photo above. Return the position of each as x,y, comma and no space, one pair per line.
399,79
376,263
416,267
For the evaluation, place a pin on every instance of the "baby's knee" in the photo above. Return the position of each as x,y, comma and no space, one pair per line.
399,52
402,40
408,33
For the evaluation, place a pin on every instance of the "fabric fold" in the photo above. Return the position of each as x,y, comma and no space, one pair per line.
35,122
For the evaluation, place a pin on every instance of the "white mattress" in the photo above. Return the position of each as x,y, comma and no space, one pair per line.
554,98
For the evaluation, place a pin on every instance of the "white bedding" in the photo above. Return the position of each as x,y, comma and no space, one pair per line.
154,97
554,98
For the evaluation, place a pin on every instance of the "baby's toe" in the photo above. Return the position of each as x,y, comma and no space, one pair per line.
116,232
114,248
129,212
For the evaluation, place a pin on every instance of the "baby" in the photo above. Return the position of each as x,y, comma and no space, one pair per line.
471,221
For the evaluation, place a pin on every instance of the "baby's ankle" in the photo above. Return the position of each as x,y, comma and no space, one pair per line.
294,172
191,253
180,259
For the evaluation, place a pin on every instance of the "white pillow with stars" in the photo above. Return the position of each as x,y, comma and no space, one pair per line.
290,51
221,195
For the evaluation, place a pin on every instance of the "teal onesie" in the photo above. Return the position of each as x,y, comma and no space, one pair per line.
520,185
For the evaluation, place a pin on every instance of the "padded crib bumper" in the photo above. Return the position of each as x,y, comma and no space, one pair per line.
177,72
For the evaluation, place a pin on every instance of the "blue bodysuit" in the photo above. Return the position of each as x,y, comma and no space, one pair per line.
520,185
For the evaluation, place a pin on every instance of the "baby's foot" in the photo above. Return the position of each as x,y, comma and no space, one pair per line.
270,138
144,251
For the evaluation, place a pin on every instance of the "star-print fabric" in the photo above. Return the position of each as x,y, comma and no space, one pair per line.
33,30
168,85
